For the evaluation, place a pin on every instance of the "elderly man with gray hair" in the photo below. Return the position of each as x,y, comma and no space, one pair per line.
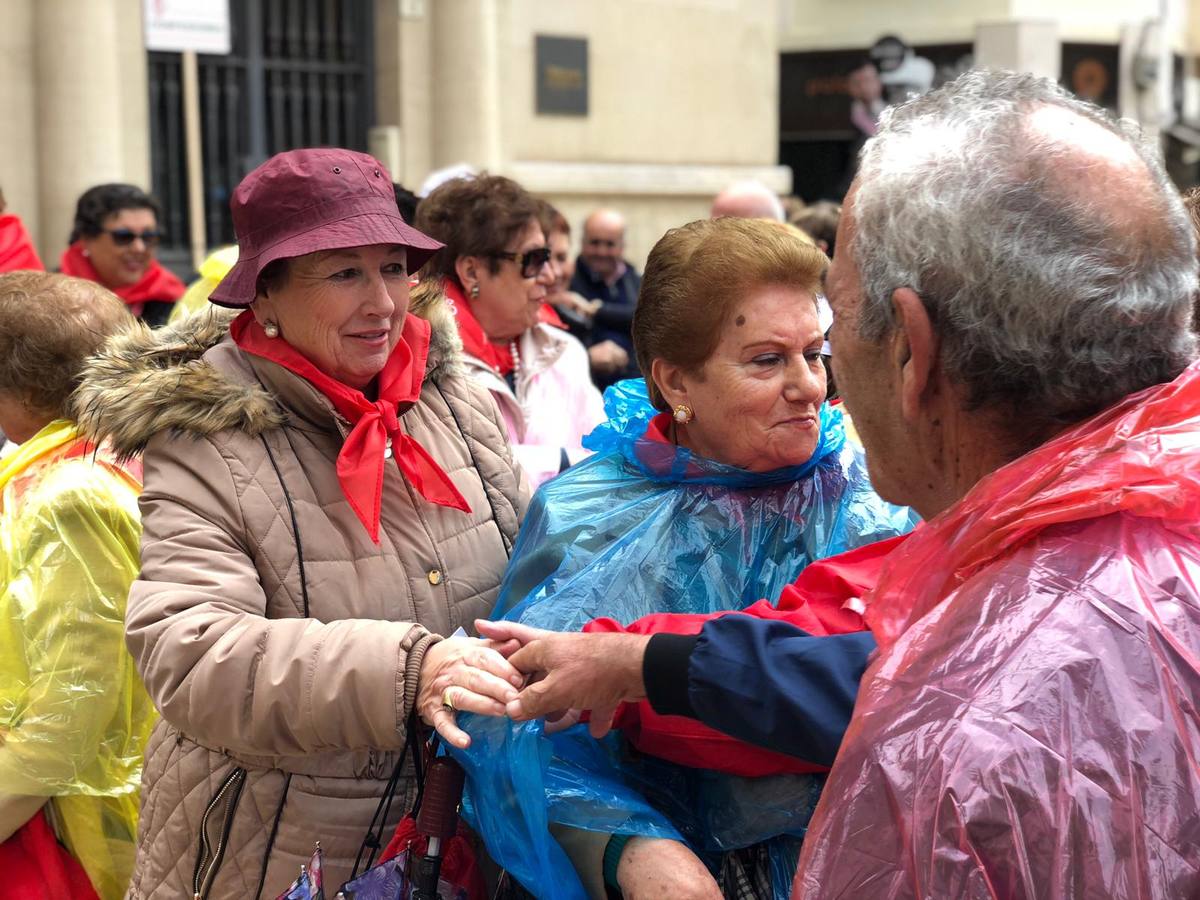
1013,285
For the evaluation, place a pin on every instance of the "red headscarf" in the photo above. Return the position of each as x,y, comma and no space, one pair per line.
156,284
360,462
16,247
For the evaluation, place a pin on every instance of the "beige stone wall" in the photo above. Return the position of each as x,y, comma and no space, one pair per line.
674,81
73,100
403,85
18,111
808,25
683,99
682,95
647,216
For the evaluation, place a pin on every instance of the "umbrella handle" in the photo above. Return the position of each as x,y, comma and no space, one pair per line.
437,820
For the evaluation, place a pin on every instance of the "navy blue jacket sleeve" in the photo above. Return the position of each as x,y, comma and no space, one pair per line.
763,681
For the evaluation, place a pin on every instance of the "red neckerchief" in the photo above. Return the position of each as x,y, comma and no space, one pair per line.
156,284
475,342
16,247
659,429
548,315
360,462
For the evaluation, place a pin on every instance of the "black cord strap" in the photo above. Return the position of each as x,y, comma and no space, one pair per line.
287,497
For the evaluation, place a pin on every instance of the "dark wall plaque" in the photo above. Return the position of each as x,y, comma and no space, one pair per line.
561,75
1090,71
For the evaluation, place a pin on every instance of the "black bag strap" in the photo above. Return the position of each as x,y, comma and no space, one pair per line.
287,498
373,840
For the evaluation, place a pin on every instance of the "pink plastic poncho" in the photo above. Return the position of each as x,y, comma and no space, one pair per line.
1031,725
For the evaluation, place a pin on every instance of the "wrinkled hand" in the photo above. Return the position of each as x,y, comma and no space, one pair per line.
480,680
608,357
597,672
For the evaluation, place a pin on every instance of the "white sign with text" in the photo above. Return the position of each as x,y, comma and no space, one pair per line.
178,25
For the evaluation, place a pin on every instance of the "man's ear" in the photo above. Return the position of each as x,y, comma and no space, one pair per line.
467,270
670,380
915,349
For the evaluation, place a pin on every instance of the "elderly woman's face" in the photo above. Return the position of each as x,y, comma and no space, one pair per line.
757,399
342,309
508,302
123,251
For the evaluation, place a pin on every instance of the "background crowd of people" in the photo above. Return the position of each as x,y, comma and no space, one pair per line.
399,472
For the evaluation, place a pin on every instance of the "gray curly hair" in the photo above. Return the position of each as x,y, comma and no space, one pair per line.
1053,296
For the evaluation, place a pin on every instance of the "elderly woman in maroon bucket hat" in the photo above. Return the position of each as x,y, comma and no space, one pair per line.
326,500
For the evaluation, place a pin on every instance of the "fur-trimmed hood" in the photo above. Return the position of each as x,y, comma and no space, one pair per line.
146,381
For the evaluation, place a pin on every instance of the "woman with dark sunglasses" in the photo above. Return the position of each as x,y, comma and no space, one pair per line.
112,242
495,272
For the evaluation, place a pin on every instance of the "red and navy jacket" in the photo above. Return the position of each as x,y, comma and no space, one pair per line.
762,691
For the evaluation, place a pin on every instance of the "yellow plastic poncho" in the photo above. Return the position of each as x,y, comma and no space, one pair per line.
74,716
212,270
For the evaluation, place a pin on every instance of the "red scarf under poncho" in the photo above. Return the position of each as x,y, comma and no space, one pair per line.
16,247
156,284
360,462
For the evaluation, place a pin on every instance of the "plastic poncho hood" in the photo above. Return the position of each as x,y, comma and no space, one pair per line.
74,716
647,527
1030,726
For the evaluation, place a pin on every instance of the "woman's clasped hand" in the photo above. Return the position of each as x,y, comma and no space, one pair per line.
469,675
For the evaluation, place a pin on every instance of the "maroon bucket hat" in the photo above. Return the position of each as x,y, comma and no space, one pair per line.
302,201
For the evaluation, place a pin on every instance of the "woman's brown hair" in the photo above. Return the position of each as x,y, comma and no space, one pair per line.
697,274
551,220
49,325
474,217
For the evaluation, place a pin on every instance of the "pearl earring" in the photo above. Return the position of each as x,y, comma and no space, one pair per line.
474,292
271,330
683,414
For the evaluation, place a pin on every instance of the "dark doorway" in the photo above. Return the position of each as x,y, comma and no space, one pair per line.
300,74
816,138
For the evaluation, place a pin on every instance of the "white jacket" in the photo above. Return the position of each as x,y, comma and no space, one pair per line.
555,403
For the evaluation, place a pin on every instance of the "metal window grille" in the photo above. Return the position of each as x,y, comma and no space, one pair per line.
300,74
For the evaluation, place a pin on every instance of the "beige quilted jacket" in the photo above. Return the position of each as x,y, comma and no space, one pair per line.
279,643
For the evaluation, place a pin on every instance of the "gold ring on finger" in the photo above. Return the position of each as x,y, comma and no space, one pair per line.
448,699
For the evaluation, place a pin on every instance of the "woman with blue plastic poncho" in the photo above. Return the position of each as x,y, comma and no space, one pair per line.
709,492
74,716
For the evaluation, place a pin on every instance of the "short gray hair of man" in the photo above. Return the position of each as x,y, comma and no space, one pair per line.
1049,303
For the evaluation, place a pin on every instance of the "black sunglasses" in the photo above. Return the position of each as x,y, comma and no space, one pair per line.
531,261
123,237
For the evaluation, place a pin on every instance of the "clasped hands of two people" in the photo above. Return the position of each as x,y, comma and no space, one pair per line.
527,673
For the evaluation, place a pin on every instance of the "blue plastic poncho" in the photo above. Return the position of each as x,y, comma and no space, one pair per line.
647,527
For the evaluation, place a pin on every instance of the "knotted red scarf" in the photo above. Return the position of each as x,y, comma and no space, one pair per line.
155,284
360,462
